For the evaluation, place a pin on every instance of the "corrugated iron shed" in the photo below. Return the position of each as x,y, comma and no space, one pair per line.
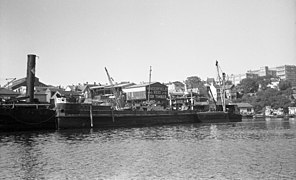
7,92
23,82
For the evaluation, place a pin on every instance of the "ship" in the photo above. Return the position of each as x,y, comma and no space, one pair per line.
72,115
22,114
82,115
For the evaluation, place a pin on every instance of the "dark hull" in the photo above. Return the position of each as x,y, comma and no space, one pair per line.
71,116
26,118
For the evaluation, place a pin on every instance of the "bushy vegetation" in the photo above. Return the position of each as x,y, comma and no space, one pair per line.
256,92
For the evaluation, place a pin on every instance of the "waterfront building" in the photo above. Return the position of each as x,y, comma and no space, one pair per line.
245,109
21,84
107,89
50,94
7,94
143,92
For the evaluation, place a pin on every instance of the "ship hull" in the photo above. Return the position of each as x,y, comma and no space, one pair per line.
72,116
104,119
26,118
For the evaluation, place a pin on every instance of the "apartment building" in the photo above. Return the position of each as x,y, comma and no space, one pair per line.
236,79
285,72
264,71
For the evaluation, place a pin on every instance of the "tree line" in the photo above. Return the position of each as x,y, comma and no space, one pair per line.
255,91
258,93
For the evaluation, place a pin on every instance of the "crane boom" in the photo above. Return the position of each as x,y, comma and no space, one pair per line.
109,78
9,82
113,89
210,94
222,85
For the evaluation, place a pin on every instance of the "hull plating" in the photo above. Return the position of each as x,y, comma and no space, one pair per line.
87,116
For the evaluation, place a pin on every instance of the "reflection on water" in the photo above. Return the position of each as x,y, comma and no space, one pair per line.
252,149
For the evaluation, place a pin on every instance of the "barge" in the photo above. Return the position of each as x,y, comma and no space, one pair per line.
88,115
83,115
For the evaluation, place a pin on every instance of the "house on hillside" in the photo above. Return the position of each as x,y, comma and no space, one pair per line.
44,94
230,92
50,94
71,96
245,109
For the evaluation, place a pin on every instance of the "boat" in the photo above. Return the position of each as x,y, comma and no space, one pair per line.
71,115
259,115
20,115
82,115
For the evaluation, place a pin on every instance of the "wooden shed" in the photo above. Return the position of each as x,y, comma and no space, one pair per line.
140,92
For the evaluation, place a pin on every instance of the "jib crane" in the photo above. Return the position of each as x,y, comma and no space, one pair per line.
10,80
222,85
117,102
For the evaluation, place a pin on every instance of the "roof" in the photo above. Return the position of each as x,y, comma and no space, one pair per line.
143,85
244,105
66,93
122,85
23,82
4,91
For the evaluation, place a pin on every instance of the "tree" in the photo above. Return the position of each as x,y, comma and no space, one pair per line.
263,81
284,84
196,82
193,82
179,86
249,85
228,82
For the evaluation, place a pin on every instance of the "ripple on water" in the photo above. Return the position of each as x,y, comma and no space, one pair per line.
248,150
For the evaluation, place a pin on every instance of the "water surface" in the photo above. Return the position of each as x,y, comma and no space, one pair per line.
252,149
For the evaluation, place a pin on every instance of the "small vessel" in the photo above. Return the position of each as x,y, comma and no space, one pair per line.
27,115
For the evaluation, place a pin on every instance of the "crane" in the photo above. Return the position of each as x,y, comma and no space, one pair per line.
222,85
210,95
10,80
117,102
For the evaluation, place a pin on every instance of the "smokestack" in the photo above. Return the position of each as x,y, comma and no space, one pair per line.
31,76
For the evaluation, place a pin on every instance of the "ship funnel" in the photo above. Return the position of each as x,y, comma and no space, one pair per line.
31,76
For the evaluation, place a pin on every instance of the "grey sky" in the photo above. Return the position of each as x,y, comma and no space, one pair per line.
76,39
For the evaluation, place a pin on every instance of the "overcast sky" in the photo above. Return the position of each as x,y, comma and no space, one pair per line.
76,39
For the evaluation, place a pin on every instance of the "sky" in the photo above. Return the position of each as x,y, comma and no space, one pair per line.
76,39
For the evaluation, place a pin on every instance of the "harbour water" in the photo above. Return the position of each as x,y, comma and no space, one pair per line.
252,149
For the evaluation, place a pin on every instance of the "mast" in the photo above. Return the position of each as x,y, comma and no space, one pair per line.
223,92
149,84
